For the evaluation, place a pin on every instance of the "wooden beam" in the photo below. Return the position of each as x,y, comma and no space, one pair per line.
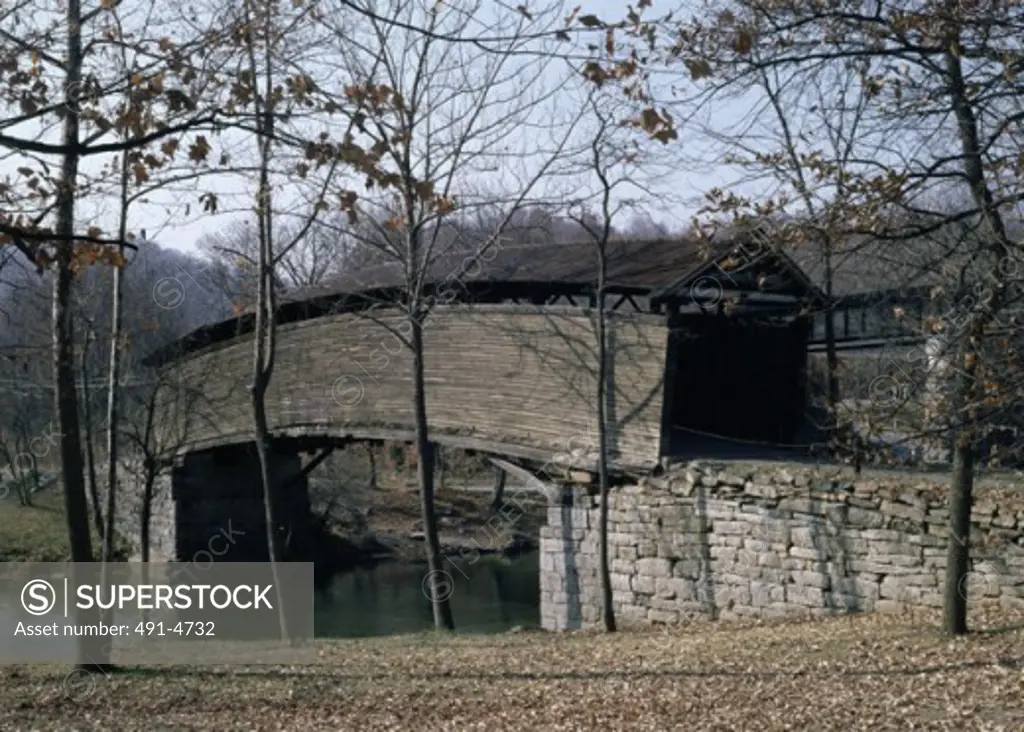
570,475
308,468
630,301
551,492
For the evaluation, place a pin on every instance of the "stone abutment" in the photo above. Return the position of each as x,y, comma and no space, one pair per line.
734,540
209,507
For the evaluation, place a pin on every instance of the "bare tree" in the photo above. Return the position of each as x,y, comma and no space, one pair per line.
66,39
613,164
114,372
258,23
601,236
267,54
950,114
159,414
435,114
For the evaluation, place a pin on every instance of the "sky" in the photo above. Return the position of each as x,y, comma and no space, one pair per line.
673,180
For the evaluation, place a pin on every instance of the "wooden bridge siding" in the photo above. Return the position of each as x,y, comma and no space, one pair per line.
506,376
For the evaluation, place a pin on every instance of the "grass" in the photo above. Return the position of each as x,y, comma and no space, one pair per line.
850,673
37,533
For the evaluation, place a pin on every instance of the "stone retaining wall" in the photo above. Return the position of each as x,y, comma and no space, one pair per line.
163,517
759,540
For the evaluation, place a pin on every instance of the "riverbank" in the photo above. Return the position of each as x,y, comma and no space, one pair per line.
386,524
850,673
367,504
359,524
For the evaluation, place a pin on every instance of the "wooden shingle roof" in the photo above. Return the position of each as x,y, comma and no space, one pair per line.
641,264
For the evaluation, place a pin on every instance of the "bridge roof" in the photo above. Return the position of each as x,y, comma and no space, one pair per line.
635,264
660,268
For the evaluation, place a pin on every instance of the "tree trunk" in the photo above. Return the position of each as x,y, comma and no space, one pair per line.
90,652
112,390
601,244
102,530
262,369
150,471
113,382
958,546
968,393
439,454
838,435
33,484
90,454
607,607
443,619
66,404
275,548
498,494
147,512
24,487
264,341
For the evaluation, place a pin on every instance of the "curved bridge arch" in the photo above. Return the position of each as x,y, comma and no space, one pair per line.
510,380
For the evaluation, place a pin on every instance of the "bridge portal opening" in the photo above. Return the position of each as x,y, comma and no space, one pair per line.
220,516
735,386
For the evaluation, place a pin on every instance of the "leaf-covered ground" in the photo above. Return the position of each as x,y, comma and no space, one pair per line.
854,673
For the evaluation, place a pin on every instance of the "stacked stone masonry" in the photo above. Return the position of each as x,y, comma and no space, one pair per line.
211,503
731,540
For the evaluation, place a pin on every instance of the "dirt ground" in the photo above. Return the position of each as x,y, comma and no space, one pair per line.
842,674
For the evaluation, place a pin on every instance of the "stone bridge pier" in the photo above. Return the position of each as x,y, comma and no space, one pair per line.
567,600
209,507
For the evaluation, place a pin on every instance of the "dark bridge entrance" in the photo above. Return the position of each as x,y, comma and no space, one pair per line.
736,380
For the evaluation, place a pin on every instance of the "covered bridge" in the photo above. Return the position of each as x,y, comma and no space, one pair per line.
705,338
